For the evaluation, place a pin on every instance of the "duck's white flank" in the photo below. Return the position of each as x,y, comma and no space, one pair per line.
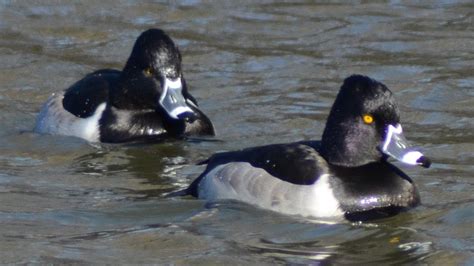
241,181
54,119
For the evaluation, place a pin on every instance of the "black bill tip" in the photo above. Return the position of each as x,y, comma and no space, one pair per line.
188,117
424,161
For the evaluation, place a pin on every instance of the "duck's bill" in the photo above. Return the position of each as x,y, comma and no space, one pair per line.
396,146
173,101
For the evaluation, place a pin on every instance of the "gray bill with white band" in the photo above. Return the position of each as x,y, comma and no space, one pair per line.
172,99
395,145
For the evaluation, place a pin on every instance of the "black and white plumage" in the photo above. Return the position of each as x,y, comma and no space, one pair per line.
147,100
345,175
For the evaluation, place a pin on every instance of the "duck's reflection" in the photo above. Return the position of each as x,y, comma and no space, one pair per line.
159,168
327,244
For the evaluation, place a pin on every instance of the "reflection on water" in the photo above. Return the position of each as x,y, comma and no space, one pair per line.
154,164
264,72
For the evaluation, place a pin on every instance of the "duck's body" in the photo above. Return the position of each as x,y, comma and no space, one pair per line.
313,178
294,178
147,100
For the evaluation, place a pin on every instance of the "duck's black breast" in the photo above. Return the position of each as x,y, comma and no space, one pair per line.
117,126
84,96
374,190
201,125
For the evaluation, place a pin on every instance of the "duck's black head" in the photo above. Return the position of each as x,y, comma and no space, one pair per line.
152,77
364,126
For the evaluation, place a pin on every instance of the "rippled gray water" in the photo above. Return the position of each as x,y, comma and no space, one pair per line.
264,73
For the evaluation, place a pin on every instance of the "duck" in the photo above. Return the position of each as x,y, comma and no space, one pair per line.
344,176
148,100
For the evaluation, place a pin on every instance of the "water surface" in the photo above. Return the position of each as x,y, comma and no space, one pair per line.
265,73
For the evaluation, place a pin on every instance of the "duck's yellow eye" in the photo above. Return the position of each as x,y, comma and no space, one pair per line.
368,119
148,71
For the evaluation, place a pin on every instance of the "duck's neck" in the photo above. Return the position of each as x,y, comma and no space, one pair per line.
129,94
